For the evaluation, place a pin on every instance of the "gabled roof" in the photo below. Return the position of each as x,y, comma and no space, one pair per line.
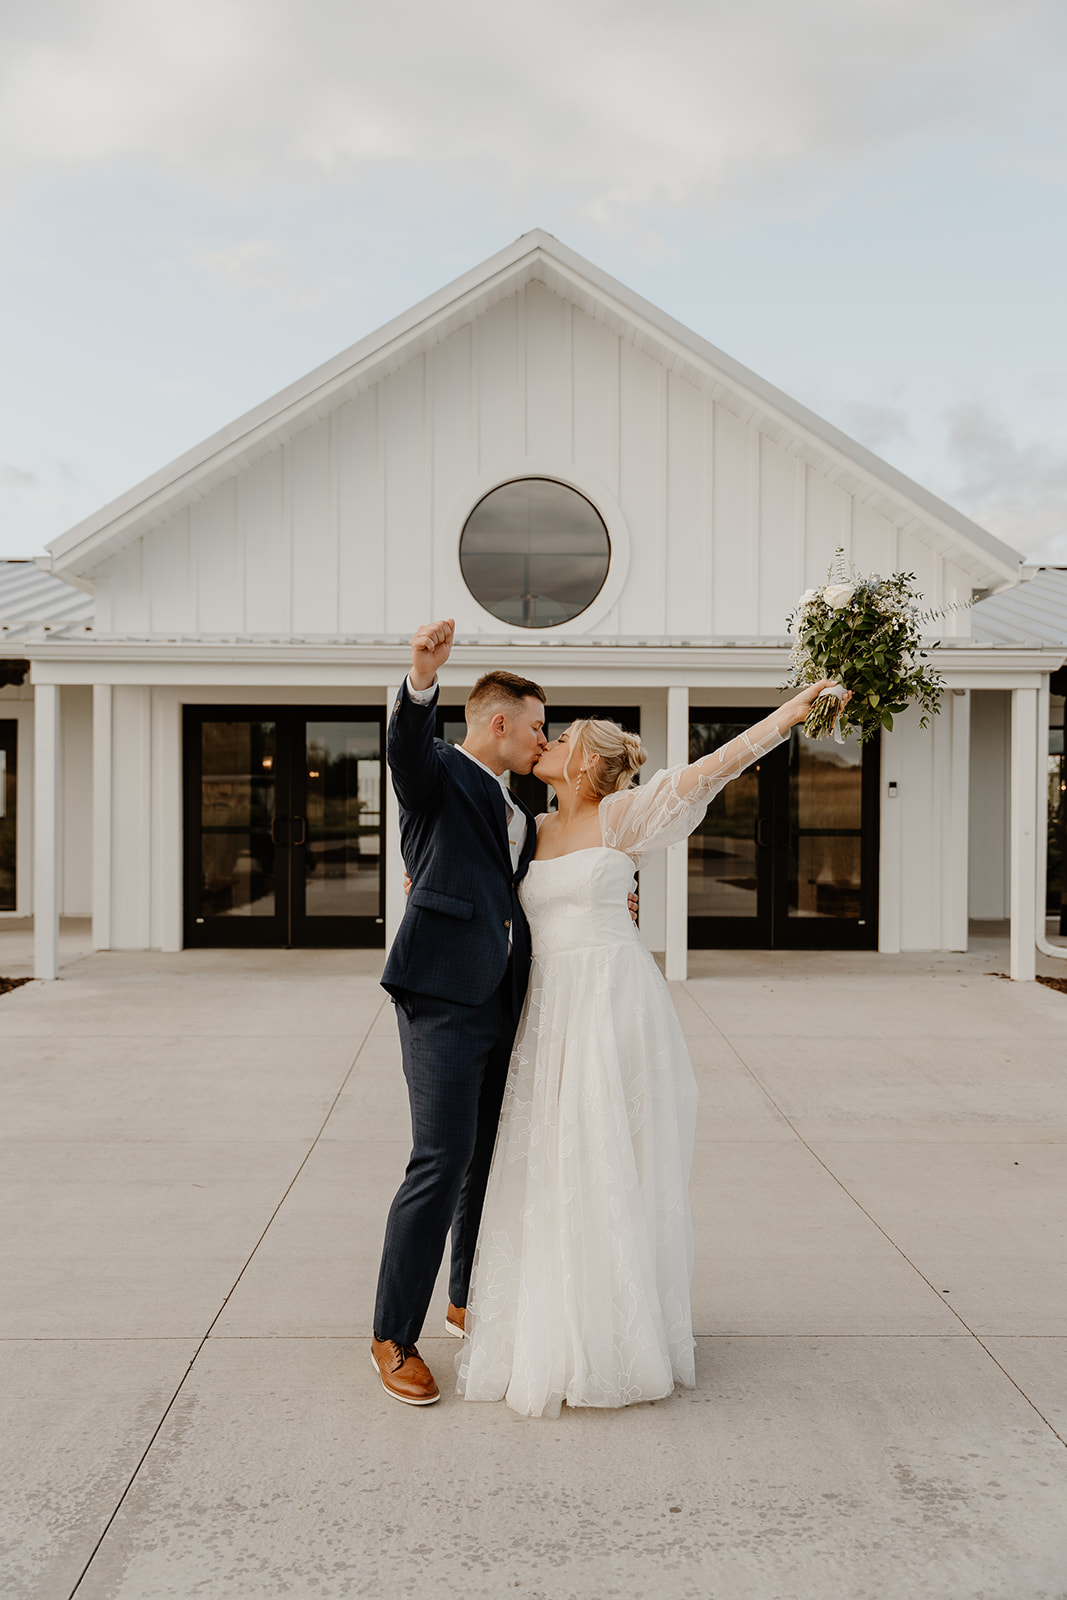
33,604
1034,613
539,256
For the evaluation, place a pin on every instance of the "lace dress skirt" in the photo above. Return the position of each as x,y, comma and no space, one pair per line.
582,1273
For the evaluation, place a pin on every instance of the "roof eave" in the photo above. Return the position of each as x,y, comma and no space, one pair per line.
140,502
77,552
1006,562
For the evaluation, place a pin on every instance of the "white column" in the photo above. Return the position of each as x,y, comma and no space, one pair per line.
677,933
166,820
101,816
955,855
46,835
1023,828
392,860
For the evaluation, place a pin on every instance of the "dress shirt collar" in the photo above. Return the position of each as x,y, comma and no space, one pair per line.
496,776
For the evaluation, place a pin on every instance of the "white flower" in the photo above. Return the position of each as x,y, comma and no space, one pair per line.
808,596
837,595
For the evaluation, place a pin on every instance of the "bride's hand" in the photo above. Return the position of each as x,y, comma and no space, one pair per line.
430,649
802,703
631,901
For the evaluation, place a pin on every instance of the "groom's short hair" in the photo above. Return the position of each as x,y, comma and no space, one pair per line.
500,691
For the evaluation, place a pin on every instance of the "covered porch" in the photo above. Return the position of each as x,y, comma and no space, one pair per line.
134,774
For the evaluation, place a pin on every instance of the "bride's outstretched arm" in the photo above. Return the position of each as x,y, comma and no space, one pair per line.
737,754
672,803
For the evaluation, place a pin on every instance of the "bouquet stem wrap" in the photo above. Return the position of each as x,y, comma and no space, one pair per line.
825,715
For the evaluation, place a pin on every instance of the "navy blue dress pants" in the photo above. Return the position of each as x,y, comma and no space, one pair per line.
456,1065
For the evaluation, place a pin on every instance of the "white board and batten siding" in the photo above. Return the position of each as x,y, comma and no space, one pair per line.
350,528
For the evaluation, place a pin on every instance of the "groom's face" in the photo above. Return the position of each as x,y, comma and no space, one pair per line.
524,736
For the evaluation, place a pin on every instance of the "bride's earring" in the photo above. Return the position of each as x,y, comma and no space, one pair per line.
578,780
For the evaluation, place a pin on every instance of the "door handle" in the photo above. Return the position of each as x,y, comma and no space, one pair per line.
284,822
772,832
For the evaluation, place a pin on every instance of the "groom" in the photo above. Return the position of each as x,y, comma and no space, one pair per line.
457,971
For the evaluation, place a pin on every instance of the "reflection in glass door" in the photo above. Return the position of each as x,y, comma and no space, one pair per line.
283,826
826,829
236,816
787,855
342,847
729,880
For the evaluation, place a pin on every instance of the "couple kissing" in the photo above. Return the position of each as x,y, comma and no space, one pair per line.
553,1102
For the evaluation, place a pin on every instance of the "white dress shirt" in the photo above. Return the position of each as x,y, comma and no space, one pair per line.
516,818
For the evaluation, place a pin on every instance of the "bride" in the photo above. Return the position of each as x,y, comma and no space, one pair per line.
581,1277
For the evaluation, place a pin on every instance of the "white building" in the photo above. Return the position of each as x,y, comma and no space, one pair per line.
605,503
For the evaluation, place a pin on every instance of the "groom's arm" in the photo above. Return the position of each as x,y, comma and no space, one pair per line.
410,751
413,758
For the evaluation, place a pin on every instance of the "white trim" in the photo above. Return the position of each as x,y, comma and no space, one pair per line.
593,490
956,824
753,663
46,832
167,843
101,816
393,861
1022,827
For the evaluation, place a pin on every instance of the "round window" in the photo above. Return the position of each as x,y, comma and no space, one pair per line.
534,552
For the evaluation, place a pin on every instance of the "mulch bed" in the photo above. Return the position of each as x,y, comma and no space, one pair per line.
7,984
1059,984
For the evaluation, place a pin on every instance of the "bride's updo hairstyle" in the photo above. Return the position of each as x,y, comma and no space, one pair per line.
621,754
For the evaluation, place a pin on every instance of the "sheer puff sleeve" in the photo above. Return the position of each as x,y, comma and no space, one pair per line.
667,808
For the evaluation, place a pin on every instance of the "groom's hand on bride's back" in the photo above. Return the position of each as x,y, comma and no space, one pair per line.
431,647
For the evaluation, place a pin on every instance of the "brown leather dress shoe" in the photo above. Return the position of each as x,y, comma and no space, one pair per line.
403,1372
456,1320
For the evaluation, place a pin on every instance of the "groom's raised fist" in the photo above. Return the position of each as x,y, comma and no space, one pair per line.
431,647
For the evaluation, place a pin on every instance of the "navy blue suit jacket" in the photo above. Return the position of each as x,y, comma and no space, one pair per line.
464,903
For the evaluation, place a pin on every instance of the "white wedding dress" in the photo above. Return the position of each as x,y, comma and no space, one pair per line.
580,1289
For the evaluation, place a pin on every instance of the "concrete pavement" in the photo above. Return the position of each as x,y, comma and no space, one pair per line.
197,1156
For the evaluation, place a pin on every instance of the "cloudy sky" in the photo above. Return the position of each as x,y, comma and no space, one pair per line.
862,200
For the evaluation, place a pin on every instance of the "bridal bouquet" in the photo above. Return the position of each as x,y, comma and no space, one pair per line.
867,633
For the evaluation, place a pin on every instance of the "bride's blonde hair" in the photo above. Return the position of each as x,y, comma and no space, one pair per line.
620,754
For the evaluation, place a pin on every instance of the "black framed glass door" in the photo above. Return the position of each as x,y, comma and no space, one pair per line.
9,735
283,826
787,855
530,790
